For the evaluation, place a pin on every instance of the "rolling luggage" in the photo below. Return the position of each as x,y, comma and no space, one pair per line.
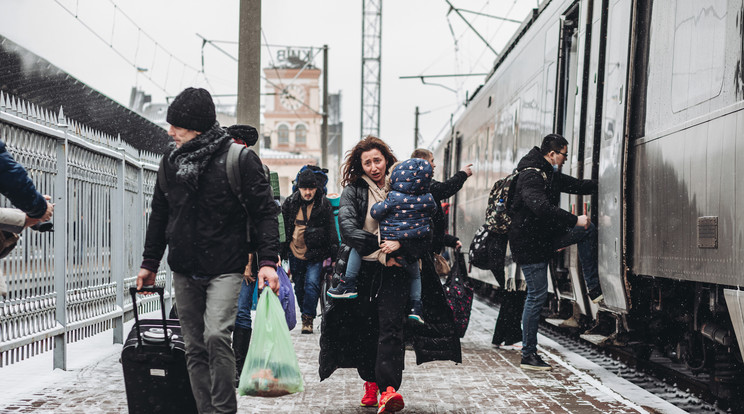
155,375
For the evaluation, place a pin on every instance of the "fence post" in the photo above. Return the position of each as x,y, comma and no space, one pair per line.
117,242
60,245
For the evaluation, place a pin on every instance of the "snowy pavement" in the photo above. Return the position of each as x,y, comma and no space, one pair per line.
488,381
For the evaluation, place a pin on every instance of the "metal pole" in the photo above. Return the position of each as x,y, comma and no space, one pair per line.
416,130
324,129
60,247
117,241
249,65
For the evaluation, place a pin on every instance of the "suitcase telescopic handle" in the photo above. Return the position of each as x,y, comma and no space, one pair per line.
161,292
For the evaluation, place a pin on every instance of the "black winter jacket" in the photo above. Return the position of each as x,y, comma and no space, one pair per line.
352,211
206,231
536,218
442,191
321,221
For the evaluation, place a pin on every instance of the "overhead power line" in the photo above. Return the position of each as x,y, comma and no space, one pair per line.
135,61
457,75
456,10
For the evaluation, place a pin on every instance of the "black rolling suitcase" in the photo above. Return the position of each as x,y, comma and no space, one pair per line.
155,375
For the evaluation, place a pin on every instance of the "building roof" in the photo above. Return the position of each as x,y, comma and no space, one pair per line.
273,154
31,78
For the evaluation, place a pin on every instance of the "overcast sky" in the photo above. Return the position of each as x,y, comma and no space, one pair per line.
419,38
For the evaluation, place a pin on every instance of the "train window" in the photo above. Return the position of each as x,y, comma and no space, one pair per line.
699,52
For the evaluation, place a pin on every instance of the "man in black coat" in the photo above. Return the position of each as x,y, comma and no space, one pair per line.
442,191
311,238
204,225
539,227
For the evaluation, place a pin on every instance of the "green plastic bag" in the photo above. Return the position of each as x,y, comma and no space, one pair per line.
270,368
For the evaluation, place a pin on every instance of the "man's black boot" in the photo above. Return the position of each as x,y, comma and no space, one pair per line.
241,340
534,362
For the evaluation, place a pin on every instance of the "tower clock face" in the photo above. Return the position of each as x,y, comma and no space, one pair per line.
292,97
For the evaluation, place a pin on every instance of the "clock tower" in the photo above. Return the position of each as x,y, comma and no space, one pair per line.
292,116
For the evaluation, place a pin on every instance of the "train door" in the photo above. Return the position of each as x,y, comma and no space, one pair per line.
569,117
612,150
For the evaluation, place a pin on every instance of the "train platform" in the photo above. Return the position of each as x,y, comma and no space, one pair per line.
488,381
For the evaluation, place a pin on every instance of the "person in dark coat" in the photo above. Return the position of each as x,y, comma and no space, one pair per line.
203,223
16,185
404,216
442,190
539,227
368,333
311,238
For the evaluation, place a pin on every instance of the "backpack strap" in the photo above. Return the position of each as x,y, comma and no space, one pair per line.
232,166
544,176
162,178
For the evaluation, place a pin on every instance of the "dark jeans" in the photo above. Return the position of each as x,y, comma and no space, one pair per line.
245,303
306,276
536,276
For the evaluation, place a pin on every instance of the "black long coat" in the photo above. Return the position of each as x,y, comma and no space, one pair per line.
342,343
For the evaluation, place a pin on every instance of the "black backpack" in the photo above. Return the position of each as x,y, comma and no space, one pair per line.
497,217
488,248
321,176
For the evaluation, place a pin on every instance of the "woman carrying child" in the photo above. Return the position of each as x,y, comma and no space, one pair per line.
368,333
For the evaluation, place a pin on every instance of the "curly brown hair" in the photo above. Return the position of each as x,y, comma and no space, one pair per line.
352,169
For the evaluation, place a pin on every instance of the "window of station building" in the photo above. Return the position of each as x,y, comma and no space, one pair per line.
301,135
699,52
283,134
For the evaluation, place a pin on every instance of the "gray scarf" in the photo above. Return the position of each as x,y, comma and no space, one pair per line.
193,156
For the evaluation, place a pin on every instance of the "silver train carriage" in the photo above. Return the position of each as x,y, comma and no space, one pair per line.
650,95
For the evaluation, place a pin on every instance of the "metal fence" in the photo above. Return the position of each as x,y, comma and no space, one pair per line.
72,284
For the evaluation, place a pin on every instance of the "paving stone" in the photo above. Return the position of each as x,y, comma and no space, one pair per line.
488,381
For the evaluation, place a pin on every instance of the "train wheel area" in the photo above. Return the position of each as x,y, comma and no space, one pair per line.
489,380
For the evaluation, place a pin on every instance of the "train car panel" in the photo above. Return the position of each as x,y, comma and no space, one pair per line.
610,200
690,134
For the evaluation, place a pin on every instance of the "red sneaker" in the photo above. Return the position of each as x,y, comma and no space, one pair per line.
390,401
370,394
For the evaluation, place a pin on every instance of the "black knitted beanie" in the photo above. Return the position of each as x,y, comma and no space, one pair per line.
192,109
306,179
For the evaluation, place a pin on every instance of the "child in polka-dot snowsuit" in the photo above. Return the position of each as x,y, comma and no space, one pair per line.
404,216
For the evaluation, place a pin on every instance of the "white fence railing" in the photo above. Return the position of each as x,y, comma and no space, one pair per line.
71,284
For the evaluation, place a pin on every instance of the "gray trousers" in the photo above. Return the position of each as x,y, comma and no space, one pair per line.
207,310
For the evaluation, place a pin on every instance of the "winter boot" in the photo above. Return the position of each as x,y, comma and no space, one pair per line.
307,324
241,340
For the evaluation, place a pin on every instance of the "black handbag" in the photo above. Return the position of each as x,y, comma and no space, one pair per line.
8,242
478,251
459,294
